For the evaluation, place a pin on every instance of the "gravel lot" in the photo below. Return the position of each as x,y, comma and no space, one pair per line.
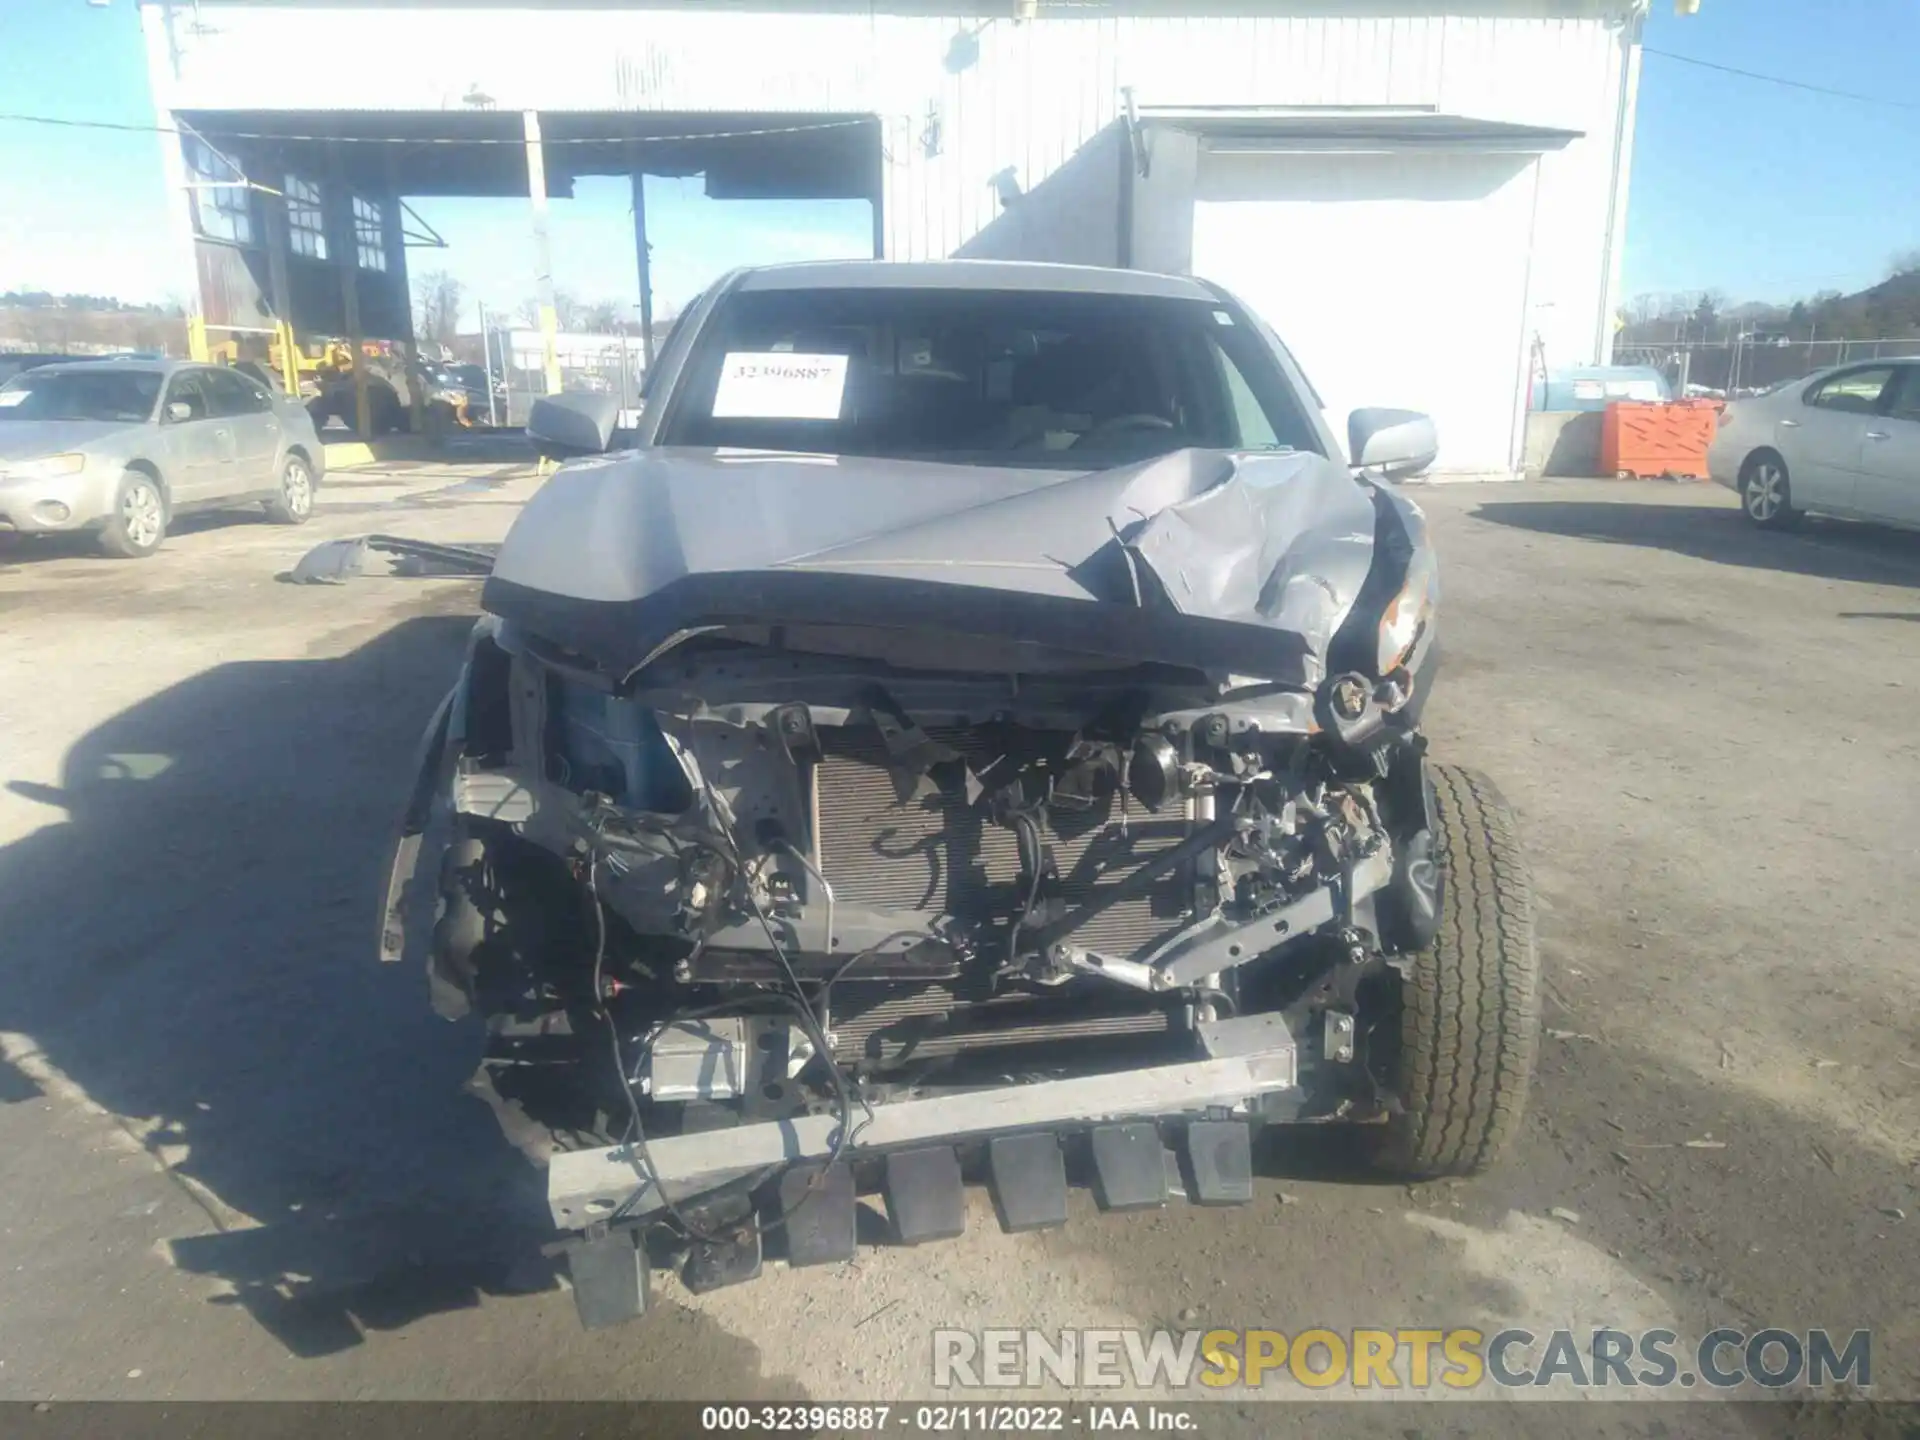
237,1161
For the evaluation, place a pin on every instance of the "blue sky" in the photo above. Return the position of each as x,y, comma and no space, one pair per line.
1761,191
1766,192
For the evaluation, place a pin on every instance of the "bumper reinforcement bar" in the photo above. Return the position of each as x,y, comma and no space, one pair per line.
1247,1058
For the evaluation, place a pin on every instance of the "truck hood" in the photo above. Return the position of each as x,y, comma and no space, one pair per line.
31,439
1241,564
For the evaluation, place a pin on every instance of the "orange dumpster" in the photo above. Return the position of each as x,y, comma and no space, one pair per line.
1640,439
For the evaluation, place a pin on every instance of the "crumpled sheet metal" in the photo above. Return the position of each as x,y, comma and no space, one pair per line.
660,540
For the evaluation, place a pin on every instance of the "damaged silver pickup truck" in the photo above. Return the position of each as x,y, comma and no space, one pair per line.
973,734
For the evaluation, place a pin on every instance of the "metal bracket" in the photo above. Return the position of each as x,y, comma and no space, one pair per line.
1337,1037
1217,944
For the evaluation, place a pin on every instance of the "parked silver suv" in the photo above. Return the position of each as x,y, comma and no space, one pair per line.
121,447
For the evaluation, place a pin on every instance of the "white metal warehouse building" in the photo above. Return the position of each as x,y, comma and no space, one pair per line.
1424,197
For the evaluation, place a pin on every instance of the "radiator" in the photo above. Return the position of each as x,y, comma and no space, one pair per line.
936,854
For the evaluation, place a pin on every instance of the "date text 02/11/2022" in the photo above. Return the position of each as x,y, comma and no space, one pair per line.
983,1419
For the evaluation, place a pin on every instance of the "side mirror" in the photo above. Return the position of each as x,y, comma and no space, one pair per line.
178,410
572,423
1397,443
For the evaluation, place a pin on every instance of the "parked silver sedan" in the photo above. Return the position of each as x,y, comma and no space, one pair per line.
1844,441
121,447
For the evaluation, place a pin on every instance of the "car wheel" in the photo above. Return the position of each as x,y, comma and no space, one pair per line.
294,504
1766,493
1469,1003
139,520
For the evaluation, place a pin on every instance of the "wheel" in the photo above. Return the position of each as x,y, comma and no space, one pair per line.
294,504
1765,492
1469,1005
139,520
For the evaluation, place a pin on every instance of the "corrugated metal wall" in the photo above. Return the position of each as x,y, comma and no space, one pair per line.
1035,93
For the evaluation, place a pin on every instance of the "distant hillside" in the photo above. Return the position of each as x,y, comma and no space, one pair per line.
107,304
87,324
1889,310
91,332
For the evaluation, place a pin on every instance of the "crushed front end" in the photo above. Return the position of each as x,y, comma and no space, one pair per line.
850,887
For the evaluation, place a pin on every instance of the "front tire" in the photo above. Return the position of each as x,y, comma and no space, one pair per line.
1470,1004
139,520
1766,492
293,504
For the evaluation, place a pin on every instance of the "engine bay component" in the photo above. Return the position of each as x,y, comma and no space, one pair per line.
714,1059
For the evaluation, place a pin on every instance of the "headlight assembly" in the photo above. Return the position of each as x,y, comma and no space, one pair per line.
1408,614
51,467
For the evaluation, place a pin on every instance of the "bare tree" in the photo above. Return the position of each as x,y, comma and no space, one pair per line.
1907,262
605,316
568,312
437,310
1706,311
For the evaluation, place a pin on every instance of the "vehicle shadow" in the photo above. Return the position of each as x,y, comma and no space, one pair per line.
16,549
195,949
1829,550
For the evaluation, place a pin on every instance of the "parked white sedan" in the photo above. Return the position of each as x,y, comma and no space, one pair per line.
1844,441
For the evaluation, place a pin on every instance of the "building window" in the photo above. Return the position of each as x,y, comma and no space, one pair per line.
222,201
370,233
306,221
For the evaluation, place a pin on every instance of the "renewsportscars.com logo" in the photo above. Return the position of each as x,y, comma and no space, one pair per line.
1441,1360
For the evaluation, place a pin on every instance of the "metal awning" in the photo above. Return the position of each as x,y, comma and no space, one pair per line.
482,152
1340,129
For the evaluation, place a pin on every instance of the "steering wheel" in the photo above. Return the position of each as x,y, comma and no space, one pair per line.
1119,424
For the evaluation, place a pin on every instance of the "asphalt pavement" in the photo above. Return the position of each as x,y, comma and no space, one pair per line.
236,1159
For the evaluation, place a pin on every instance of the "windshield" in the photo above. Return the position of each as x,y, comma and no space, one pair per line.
126,395
982,377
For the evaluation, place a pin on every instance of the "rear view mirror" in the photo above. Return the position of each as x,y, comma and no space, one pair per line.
178,410
1396,443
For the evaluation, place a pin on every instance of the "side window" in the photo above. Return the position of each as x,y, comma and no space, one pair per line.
233,394
222,198
189,390
1906,401
1856,392
306,219
370,233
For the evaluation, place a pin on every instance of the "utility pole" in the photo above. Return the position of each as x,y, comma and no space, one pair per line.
542,252
486,364
644,251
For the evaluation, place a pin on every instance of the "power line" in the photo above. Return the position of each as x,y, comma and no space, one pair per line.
1783,80
429,139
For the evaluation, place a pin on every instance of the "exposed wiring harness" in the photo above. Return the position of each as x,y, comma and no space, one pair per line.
797,1004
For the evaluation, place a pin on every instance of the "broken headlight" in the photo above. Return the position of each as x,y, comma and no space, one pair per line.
1409,613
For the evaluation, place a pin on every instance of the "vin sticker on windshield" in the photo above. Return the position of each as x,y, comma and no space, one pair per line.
13,397
770,386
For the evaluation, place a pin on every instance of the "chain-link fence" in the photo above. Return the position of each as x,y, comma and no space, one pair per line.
611,364
1751,364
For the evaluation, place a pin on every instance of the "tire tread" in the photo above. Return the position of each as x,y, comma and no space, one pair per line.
1470,1017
